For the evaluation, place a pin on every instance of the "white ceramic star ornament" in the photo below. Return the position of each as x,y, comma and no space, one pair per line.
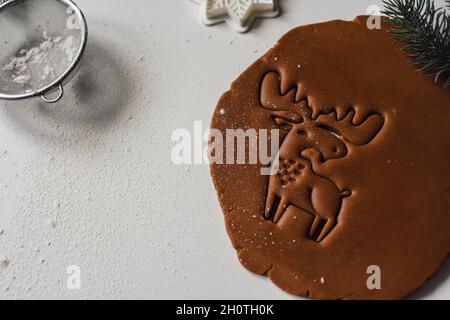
238,13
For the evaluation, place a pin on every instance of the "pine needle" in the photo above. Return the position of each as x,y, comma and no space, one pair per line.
425,30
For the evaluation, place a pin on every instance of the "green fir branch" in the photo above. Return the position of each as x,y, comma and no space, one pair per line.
425,30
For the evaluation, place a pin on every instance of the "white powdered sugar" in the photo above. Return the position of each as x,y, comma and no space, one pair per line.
22,80
39,58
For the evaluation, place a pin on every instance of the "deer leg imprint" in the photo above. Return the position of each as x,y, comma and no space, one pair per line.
275,207
270,203
329,225
315,226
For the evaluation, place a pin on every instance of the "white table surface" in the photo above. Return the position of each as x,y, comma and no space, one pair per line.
89,181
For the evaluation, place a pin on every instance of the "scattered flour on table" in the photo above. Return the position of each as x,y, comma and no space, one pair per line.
19,66
4,263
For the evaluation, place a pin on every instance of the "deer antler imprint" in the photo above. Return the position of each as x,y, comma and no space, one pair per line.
326,137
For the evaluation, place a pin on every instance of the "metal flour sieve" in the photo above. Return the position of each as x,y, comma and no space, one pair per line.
41,45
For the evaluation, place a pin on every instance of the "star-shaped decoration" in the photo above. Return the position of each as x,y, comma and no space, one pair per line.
239,13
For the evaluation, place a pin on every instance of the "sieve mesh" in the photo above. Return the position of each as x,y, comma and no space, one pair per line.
40,41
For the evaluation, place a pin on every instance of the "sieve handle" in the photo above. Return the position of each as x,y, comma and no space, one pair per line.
56,99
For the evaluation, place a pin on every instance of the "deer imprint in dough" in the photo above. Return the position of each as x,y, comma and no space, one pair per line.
310,141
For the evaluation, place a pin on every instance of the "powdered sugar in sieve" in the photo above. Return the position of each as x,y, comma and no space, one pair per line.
43,44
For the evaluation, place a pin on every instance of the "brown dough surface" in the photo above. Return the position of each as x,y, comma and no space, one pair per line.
371,158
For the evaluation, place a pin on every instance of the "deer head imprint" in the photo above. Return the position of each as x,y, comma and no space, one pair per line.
310,142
